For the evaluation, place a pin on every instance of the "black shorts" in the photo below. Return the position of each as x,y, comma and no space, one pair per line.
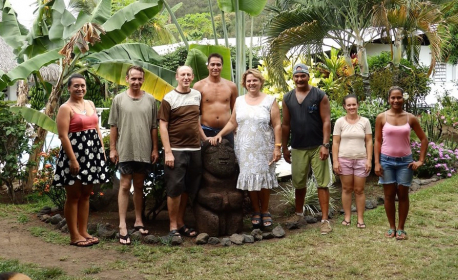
212,132
131,167
185,176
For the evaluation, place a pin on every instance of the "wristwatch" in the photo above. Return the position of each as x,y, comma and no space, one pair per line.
326,145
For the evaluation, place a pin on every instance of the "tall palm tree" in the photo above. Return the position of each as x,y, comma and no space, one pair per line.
305,26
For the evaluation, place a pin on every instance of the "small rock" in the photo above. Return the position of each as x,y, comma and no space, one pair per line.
278,232
151,239
416,181
202,238
55,219
102,231
176,240
136,236
341,211
380,200
353,208
64,229
226,242
330,214
61,224
414,187
45,210
257,234
292,225
54,209
311,219
248,238
425,181
318,216
237,239
369,204
45,218
92,228
267,235
435,178
214,241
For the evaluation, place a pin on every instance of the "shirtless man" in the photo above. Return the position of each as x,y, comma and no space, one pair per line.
218,99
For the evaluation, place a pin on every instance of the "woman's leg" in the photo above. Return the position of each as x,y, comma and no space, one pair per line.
347,190
264,198
390,207
360,197
254,198
83,210
73,194
403,205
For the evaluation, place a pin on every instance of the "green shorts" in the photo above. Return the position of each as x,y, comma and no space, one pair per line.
304,160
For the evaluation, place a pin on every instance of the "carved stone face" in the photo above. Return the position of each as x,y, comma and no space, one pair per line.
219,160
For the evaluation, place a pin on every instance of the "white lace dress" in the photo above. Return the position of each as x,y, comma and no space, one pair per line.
254,145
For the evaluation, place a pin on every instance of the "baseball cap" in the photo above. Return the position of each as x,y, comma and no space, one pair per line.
302,69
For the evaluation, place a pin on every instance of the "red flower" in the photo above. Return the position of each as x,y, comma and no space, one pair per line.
48,165
101,194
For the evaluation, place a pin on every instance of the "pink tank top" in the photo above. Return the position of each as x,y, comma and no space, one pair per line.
396,139
80,122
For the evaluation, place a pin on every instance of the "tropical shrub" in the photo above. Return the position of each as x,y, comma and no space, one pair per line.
14,143
440,160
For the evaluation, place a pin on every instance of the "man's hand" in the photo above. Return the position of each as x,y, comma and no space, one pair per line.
287,155
169,159
324,153
154,156
114,157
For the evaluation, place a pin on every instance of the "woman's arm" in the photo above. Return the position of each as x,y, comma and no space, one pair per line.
369,149
415,125
63,125
335,154
276,124
378,145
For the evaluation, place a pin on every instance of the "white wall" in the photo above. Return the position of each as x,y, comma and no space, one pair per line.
11,93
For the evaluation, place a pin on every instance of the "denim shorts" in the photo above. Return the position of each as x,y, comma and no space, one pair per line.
395,170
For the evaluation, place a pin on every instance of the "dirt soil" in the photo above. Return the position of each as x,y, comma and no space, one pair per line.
18,243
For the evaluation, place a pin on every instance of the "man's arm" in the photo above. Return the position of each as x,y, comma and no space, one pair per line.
285,127
325,113
234,94
155,152
114,157
169,158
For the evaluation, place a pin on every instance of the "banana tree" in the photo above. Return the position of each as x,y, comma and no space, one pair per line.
87,42
240,7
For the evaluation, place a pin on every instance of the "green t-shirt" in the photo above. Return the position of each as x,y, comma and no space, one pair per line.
134,118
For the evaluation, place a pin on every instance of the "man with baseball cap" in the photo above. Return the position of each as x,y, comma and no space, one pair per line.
307,117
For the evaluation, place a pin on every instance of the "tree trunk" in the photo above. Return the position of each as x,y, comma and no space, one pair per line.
22,93
39,140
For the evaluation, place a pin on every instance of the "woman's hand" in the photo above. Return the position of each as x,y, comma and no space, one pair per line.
368,167
378,169
336,167
415,164
215,140
74,167
276,156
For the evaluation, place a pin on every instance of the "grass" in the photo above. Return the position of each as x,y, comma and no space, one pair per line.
31,270
347,253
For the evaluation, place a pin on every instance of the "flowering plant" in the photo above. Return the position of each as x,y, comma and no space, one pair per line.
43,181
439,160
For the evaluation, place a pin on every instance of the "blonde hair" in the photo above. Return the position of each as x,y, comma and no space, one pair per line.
256,73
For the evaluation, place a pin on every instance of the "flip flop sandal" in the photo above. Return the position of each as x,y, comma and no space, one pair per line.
174,232
345,223
390,233
188,232
138,228
257,221
268,219
399,234
124,237
81,243
93,240
361,225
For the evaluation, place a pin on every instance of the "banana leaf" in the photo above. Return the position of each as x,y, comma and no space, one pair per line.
197,61
36,117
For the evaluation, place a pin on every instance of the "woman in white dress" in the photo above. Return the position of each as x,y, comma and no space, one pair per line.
257,144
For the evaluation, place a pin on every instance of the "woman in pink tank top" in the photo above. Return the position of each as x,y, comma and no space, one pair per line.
393,158
81,162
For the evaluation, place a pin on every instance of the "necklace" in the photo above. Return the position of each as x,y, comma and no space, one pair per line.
82,112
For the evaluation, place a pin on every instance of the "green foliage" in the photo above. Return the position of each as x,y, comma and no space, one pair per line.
196,26
413,79
432,125
43,181
95,90
31,270
13,144
176,58
440,160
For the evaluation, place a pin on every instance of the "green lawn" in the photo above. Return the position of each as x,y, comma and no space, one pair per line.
431,252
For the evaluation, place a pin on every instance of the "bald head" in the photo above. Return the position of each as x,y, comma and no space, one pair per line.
184,78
